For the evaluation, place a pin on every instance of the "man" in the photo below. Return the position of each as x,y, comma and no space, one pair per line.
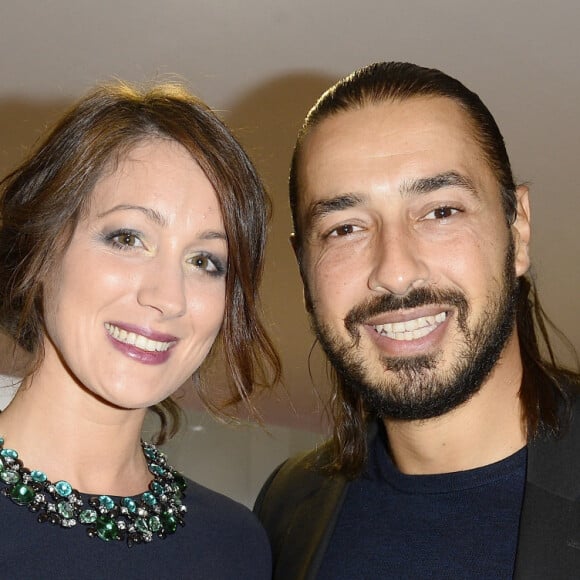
456,452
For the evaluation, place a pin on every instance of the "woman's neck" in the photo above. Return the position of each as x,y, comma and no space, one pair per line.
69,434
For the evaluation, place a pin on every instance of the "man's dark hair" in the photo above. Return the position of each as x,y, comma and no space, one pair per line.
543,392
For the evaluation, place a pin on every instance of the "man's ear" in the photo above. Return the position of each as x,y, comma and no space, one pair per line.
521,231
296,248
294,244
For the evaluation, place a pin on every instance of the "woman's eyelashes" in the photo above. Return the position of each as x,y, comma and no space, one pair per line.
132,240
209,263
125,239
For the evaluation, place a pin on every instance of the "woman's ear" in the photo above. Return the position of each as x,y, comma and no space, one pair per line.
296,248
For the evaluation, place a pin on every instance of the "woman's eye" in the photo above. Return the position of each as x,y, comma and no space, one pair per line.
125,240
207,263
128,240
441,213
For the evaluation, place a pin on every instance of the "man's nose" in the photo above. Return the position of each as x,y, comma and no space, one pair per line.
398,263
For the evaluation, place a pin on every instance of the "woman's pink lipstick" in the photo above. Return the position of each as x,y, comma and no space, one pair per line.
140,344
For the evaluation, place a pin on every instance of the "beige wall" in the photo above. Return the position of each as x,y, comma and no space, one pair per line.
264,63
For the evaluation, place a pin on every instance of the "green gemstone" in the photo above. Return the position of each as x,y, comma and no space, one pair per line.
10,476
141,525
180,481
63,488
22,494
150,452
107,529
88,516
38,476
1,440
149,498
156,488
169,522
106,502
1,465
9,453
154,523
130,504
157,469
65,509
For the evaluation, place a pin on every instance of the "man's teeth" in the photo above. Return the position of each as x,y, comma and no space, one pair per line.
137,340
411,329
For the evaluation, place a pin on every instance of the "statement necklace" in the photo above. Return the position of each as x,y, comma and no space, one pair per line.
156,512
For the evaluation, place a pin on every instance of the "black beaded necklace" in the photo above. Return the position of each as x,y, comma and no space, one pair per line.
157,512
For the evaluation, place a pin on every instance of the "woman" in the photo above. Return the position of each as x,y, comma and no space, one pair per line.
131,244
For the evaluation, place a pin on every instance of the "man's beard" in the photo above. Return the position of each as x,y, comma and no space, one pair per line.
415,389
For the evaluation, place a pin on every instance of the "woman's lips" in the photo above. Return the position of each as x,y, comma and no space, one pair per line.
140,344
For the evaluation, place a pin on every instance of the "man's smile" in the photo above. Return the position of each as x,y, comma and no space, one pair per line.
411,329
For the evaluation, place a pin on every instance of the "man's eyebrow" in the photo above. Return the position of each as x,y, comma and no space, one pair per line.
321,208
150,214
435,182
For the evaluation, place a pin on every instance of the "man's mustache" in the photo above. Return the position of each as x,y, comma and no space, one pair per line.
415,298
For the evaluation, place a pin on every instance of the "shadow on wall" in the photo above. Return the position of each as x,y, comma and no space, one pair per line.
266,120
22,122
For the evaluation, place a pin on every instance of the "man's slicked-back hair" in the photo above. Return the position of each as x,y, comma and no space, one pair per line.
398,81
544,384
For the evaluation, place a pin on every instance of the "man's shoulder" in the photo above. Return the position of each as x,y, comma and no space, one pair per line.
553,459
299,489
298,506
295,479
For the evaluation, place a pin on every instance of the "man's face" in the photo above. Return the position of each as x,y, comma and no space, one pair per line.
408,262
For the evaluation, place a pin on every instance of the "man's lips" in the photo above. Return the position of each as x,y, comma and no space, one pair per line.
143,339
411,329
410,325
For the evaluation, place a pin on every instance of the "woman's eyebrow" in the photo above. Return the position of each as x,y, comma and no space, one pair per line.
150,214
157,218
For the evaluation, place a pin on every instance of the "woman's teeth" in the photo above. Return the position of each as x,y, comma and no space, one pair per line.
137,340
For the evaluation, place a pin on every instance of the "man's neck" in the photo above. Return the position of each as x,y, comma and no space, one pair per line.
484,430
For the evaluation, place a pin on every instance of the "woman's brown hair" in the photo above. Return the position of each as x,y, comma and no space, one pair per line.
42,201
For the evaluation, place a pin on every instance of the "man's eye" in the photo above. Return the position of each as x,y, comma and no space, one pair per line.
441,213
344,230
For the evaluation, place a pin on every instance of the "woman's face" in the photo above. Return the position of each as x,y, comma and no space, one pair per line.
139,297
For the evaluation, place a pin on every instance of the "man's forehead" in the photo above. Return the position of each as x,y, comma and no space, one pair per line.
396,114
392,146
432,135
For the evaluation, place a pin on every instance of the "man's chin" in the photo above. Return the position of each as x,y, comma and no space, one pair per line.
418,403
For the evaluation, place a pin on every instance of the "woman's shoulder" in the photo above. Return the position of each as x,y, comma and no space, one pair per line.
228,530
219,511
